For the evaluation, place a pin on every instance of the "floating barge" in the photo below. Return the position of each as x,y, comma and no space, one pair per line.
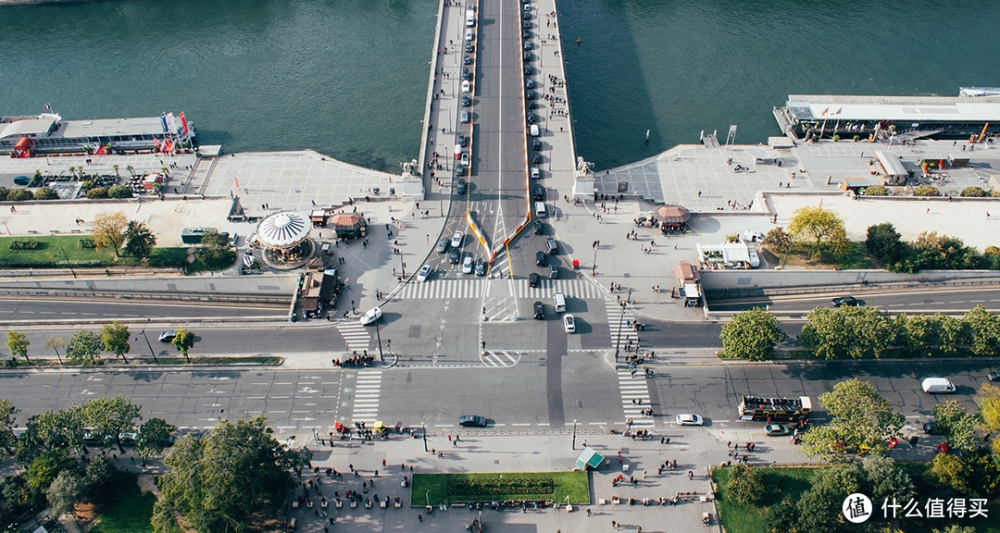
48,134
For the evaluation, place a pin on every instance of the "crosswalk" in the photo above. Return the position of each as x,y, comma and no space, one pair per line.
355,335
614,317
366,397
474,288
500,358
635,390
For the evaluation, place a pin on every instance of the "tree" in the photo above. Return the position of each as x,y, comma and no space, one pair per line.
17,343
214,238
60,430
55,343
120,191
45,193
746,484
109,230
97,193
953,335
153,438
778,240
84,347
819,225
752,335
861,421
988,400
102,474
883,479
20,195
955,528
884,243
115,337
215,482
984,328
819,507
8,439
782,517
183,341
139,240
44,469
67,489
974,192
115,166
855,332
926,190
109,418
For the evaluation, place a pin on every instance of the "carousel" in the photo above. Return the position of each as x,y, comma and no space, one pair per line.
348,225
284,238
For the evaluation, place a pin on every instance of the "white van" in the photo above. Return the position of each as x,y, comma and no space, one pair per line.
938,386
535,132
540,210
470,18
559,299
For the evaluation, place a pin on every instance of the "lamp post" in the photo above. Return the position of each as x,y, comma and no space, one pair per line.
402,265
593,271
618,343
150,346
574,433
66,257
423,432
378,335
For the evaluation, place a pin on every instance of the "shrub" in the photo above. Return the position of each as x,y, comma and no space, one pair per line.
836,138
97,193
857,138
498,487
926,190
973,192
120,191
29,244
19,195
3,194
46,193
86,243
876,190
746,484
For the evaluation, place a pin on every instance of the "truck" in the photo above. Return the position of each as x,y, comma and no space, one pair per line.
775,409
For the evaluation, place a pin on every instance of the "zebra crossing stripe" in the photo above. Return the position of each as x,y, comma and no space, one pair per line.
366,396
614,317
476,288
502,358
632,390
355,335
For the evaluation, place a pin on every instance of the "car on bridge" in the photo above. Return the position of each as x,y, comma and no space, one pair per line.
456,239
553,271
540,259
551,246
472,421
527,25
467,60
459,169
539,227
849,301
454,257
168,336
776,430
528,70
466,101
528,56
461,140
535,172
466,86
469,47
530,95
480,267
466,74
538,309
465,158
527,15
536,144
22,180
460,188
536,159
464,117
689,420
993,376
467,265
425,272
442,245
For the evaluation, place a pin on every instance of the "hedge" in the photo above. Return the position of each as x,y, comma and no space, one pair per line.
485,487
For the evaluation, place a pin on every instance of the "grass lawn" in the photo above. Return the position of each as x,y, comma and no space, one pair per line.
129,514
801,255
433,488
49,254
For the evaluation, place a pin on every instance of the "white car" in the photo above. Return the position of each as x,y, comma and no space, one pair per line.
466,86
424,273
465,158
535,173
467,265
456,239
753,236
754,259
569,323
371,316
689,420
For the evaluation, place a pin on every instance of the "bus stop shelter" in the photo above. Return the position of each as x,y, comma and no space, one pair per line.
589,459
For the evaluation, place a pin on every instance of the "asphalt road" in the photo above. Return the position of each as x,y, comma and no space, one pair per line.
897,302
542,396
100,309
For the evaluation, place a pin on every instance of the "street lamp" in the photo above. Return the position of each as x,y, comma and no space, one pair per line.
402,265
379,336
618,343
423,432
66,257
593,271
574,433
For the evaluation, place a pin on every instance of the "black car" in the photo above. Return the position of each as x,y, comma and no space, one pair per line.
553,271
536,159
536,105
530,84
993,376
539,227
454,257
540,259
533,280
532,118
472,421
848,301
527,25
442,245
536,145
528,56
526,34
530,95
470,48
22,180
466,75
459,169
529,45
539,310
467,60
480,267
528,70
538,192
460,188
466,101
461,140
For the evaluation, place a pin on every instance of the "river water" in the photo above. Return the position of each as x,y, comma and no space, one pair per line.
348,77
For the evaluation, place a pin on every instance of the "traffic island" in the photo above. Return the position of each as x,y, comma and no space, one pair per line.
544,488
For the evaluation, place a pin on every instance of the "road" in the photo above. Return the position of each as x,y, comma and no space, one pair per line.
958,301
102,309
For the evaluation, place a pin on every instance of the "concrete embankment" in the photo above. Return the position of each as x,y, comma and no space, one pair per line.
22,2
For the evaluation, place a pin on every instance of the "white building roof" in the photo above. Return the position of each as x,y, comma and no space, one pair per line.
914,109
35,126
112,127
731,252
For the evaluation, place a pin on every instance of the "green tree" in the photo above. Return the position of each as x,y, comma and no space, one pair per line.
746,484
215,482
949,471
955,528
183,341
84,347
67,489
778,240
782,517
752,335
884,243
120,191
102,474
883,479
20,195
109,230
55,343
847,332
8,439
953,335
984,328
861,421
214,238
44,469
45,193
50,431
974,192
97,193
109,418
988,400
819,507
153,438
115,337
943,252
139,240
926,190
817,224
17,343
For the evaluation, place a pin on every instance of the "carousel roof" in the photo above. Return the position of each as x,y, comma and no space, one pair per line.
283,230
346,221
673,214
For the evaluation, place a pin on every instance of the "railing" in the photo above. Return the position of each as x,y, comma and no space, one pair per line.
735,294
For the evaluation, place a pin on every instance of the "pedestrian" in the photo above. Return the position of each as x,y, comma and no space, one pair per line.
690,474
420,517
614,524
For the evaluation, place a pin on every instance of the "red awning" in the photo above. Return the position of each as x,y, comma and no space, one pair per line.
23,144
